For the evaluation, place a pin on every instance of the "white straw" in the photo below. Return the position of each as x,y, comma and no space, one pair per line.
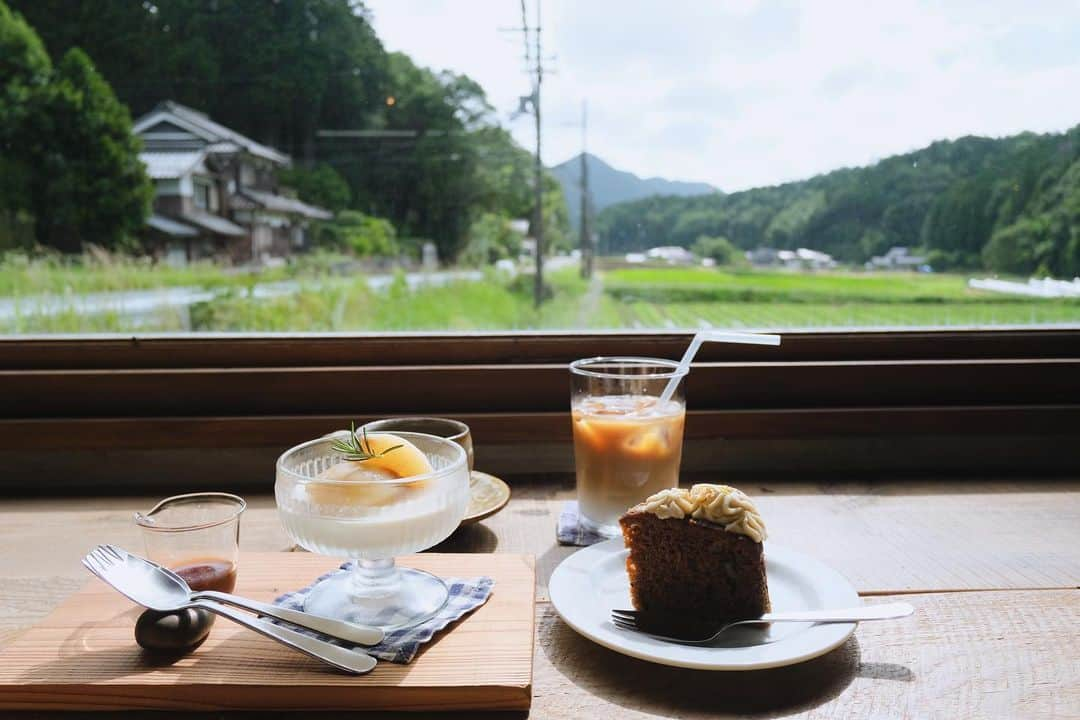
712,336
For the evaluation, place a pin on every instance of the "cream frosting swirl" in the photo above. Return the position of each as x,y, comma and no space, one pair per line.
720,504
672,503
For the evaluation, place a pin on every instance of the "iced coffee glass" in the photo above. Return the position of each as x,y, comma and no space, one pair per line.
627,443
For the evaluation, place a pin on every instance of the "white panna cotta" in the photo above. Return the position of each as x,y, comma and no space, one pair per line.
396,505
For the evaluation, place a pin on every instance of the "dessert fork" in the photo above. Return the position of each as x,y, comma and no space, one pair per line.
628,619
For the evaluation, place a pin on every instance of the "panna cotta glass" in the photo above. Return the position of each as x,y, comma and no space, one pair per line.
371,516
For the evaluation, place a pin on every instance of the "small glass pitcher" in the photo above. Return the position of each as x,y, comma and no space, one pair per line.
197,536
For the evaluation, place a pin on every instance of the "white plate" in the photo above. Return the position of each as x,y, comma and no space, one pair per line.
590,583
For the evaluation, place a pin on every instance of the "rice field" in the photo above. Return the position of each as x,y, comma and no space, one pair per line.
646,298
817,315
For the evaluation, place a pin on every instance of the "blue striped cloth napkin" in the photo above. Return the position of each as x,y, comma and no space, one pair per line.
571,531
401,646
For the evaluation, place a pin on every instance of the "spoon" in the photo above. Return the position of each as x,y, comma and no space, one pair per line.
158,588
356,634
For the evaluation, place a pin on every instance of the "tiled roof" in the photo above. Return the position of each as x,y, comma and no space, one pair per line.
169,165
213,223
280,203
170,226
206,128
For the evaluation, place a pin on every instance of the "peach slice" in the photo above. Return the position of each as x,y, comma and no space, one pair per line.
356,486
358,480
404,462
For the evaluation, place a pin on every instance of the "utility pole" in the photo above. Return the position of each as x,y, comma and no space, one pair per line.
538,230
534,63
586,232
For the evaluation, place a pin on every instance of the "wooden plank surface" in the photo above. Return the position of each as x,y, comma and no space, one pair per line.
963,655
1005,655
920,535
83,654
282,431
992,564
390,389
312,349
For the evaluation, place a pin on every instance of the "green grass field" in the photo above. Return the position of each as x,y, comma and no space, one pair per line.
687,285
815,315
695,298
21,276
629,298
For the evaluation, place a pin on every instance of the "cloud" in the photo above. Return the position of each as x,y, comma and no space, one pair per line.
851,78
747,92
1033,47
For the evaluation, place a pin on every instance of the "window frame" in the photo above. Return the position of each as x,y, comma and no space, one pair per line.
192,393
200,185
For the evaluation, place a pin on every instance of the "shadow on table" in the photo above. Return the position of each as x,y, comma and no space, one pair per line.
873,485
657,689
475,538
101,658
258,714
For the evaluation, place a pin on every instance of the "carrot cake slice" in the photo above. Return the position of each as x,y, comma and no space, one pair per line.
696,558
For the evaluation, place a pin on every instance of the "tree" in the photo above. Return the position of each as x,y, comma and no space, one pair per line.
1012,250
321,185
446,167
490,239
719,249
70,143
88,185
359,234
24,72
276,71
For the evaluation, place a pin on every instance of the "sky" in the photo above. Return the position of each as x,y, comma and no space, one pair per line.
745,93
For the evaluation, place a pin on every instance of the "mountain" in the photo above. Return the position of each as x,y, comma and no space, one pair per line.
1003,204
608,186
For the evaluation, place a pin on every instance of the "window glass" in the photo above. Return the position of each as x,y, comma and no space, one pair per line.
220,165
202,194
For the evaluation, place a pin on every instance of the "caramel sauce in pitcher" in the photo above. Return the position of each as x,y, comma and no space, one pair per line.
208,574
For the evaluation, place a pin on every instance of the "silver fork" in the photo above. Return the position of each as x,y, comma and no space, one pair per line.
628,619
152,586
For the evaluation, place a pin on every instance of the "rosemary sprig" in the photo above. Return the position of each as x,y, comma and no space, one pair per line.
356,448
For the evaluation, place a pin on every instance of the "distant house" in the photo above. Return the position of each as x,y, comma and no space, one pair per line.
898,258
216,191
800,259
763,257
808,259
671,254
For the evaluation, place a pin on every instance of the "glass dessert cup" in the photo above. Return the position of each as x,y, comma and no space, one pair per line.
443,427
372,522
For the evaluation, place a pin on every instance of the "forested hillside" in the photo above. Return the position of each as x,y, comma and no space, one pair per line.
1007,205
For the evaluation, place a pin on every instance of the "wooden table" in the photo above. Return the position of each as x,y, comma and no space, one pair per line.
993,567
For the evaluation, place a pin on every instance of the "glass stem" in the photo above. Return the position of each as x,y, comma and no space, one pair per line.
374,577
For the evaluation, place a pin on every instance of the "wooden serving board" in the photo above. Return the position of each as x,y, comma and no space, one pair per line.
83,656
